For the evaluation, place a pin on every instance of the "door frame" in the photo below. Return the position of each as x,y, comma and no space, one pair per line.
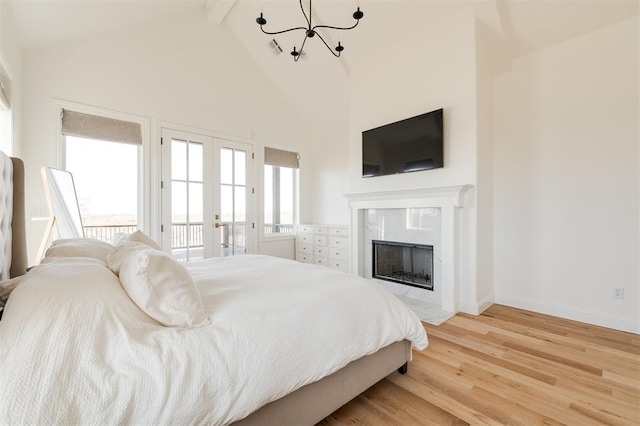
252,236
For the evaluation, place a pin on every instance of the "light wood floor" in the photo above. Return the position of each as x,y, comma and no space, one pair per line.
509,366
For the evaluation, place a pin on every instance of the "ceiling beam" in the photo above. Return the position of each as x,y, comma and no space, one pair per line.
217,10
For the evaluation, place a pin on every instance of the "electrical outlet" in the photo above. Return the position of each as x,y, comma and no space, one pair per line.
618,293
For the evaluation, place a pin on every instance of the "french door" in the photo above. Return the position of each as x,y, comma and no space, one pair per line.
206,196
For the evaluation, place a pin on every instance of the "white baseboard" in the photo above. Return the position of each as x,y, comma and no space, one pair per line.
477,308
569,313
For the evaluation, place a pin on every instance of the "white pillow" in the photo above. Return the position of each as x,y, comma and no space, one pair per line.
138,236
158,284
80,247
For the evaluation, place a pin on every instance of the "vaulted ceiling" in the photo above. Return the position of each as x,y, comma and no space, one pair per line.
317,85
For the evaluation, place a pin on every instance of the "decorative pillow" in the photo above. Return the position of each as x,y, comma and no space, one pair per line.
158,284
80,247
137,236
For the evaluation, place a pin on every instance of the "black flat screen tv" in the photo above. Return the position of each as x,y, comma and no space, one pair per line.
409,145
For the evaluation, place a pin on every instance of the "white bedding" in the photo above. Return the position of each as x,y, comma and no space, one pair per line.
75,349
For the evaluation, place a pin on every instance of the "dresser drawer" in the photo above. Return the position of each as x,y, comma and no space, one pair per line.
339,242
305,248
339,231
305,238
318,260
320,230
305,258
321,251
320,240
339,253
305,229
340,264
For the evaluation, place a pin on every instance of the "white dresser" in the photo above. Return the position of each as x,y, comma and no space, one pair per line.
326,245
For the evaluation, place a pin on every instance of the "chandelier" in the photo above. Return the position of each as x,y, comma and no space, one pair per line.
310,31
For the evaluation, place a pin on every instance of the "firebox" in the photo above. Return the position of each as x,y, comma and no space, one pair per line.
404,263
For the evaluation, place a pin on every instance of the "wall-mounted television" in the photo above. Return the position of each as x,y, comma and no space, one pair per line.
409,145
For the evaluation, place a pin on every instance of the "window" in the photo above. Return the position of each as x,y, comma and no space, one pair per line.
105,169
187,199
280,182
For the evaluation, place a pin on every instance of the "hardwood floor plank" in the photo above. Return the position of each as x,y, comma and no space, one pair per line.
509,366
567,327
410,408
444,400
552,356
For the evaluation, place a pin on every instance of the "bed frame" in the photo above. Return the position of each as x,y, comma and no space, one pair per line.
315,401
306,406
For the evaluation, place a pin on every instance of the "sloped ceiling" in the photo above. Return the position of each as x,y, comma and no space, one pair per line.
317,85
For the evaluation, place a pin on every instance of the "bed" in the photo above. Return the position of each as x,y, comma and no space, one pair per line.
278,342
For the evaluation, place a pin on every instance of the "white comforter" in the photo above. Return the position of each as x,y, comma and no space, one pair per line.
75,349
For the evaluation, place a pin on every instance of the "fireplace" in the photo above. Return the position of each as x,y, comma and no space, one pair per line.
398,223
403,263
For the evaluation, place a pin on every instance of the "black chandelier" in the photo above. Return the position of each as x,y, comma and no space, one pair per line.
310,31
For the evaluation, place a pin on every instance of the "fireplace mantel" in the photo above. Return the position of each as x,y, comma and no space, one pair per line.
447,199
454,193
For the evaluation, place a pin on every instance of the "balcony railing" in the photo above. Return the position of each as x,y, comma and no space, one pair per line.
185,235
106,232
270,229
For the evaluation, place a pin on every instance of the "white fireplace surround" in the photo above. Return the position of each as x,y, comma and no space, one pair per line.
447,199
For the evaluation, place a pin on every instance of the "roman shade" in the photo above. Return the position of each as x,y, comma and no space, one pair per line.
277,157
101,128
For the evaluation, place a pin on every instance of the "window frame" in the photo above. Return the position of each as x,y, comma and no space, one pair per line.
146,220
297,176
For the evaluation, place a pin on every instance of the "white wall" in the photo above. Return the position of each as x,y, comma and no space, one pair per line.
491,58
188,71
10,73
432,68
566,179
330,171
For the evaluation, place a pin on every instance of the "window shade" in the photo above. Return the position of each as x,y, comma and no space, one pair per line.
277,157
101,128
